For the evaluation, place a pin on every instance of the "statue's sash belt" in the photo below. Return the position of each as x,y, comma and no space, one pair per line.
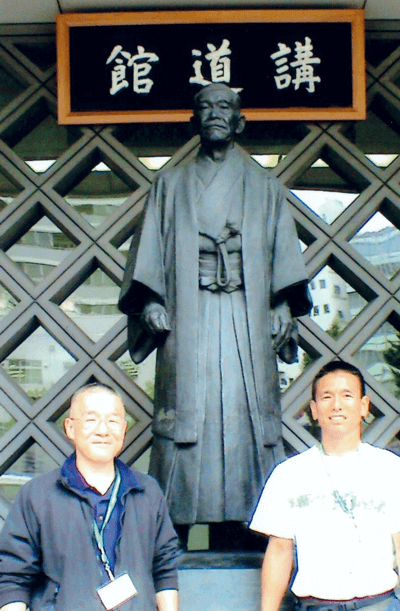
220,271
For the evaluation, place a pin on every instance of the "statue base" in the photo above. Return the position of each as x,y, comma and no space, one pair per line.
222,581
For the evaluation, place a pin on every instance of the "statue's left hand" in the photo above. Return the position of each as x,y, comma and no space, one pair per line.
155,318
282,324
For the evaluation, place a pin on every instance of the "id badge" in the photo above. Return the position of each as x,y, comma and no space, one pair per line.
116,592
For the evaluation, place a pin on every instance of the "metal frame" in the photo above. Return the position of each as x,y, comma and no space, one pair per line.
38,304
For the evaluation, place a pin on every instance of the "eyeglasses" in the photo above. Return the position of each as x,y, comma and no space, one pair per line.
89,423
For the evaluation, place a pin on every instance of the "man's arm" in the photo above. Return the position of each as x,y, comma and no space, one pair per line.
167,600
165,554
14,607
275,572
396,539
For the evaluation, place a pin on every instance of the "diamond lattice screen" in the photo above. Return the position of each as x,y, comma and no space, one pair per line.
69,201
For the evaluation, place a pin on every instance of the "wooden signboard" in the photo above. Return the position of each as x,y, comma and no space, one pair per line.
147,66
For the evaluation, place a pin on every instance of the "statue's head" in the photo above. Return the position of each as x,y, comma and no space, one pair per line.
216,114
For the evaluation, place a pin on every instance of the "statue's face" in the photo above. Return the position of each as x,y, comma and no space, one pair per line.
217,115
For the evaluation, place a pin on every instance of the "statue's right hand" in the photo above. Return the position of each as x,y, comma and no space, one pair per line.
154,318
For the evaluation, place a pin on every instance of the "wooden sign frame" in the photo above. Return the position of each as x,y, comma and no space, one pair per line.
354,17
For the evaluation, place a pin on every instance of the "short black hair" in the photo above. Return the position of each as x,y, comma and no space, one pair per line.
337,366
94,387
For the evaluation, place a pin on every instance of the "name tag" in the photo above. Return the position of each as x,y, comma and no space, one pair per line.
117,592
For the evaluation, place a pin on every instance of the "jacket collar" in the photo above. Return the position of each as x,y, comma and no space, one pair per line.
73,480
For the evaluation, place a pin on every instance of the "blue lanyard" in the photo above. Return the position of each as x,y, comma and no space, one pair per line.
99,534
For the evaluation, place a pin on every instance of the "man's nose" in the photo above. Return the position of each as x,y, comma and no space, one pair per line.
102,428
336,402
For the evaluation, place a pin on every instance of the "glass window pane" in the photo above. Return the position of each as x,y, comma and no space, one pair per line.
327,205
34,461
10,88
379,47
378,137
37,363
7,301
380,356
143,374
336,303
153,139
41,53
41,249
6,421
93,306
100,193
378,241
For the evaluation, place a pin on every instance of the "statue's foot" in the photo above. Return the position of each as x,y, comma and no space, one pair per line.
234,537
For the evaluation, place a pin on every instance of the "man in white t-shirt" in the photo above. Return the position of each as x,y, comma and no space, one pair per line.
336,507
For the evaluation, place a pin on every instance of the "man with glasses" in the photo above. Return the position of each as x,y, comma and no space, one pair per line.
92,535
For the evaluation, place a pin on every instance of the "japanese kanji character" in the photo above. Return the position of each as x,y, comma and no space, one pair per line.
141,68
220,64
303,65
282,80
118,74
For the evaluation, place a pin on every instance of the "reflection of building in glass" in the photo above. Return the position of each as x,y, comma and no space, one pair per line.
95,210
38,362
382,249
328,290
32,462
332,298
330,295
93,305
336,303
7,302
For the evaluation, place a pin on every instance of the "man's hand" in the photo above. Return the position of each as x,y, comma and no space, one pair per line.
14,607
167,600
282,324
154,318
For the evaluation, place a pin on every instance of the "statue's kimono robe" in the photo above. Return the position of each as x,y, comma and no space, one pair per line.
217,247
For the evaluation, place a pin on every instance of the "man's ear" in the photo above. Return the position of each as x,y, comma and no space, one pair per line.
240,124
314,413
365,403
69,429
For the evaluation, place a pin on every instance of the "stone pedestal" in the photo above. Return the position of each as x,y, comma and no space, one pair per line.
218,581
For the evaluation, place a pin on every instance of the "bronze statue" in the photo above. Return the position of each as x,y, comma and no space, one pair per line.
214,280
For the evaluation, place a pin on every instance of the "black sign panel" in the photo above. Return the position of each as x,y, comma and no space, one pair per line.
156,68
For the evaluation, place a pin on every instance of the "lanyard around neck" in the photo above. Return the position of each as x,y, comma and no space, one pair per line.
99,534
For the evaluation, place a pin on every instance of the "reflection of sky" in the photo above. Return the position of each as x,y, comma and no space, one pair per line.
328,205
376,223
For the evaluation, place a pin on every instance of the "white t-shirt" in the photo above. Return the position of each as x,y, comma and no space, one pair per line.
343,541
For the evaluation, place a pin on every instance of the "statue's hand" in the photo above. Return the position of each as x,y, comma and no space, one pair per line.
154,318
282,324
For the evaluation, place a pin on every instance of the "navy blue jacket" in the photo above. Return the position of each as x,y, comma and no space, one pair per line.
49,558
